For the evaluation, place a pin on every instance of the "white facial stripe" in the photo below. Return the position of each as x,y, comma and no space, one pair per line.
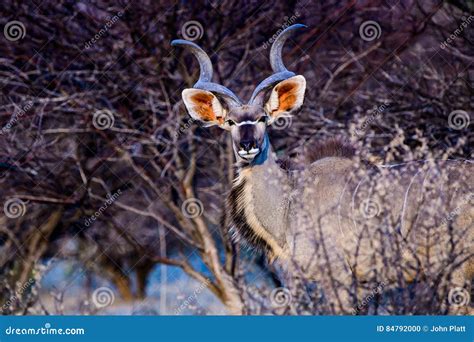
246,123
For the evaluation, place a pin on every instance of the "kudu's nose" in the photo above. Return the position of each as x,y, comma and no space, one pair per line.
247,145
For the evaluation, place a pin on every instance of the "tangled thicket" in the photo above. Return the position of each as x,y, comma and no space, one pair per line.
391,96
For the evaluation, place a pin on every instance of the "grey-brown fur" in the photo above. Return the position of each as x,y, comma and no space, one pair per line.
317,226
336,219
333,147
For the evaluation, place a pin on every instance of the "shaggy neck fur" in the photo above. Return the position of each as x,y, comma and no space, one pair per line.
259,203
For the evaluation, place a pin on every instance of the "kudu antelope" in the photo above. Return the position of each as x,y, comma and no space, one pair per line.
338,218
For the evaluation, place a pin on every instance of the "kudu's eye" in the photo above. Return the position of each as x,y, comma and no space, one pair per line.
230,122
263,119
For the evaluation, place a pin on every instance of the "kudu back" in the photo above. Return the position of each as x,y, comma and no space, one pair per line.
339,219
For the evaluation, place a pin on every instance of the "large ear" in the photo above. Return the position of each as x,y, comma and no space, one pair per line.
204,106
286,97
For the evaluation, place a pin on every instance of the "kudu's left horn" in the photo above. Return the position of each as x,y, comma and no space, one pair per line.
205,75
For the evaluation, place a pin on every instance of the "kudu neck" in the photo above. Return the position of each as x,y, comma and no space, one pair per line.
264,168
260,197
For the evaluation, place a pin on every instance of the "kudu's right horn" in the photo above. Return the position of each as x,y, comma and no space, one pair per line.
280,72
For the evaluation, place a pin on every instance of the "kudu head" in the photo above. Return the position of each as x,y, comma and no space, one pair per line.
276,96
